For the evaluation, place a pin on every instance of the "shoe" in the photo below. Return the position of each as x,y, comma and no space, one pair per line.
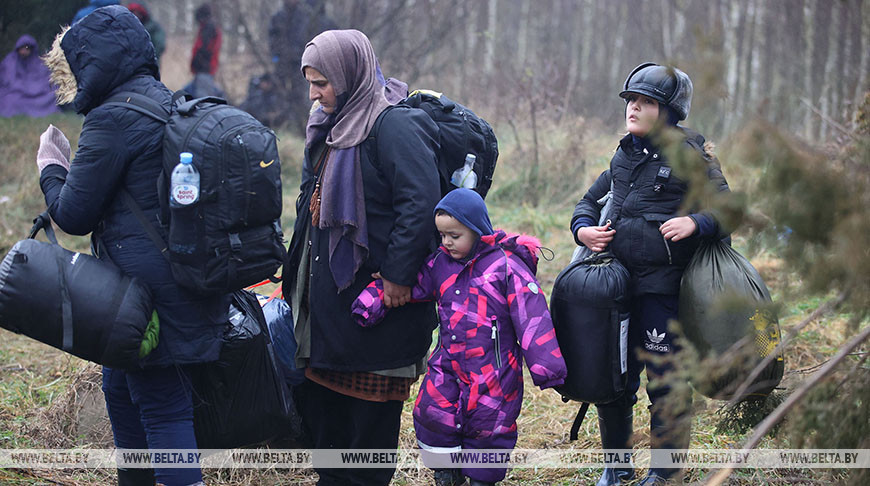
449,477
135,477
475,482
615,427
653,479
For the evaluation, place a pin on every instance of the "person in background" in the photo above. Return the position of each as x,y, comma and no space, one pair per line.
364,210
206,51
207,46
294,24
264,101
25,88
93,5
120,149
654,236
158,36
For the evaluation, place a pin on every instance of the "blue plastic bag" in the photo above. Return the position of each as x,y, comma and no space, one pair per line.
279,317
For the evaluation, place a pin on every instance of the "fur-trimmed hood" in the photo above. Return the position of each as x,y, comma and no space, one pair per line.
99,53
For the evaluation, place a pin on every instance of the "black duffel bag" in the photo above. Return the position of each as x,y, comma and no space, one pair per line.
242,399
726,313
589,307
73,301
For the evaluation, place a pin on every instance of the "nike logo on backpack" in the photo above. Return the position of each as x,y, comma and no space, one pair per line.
263,164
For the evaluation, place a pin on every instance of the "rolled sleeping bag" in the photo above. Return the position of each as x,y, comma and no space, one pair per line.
73,301
724,303
589,307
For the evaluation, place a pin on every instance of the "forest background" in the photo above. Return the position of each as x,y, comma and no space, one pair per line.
781,87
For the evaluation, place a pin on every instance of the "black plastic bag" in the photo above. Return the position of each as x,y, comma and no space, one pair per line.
725,312
589,307
243,398
279,318
73,301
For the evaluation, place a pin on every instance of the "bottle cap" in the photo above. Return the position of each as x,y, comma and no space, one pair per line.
470,157
186,158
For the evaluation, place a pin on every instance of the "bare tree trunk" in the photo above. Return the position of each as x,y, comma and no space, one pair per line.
836,98
854,81
768,53
818,61
734,43
748,95
523,35
574,53
491,33
471,37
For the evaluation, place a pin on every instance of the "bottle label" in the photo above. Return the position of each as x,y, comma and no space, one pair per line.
185,194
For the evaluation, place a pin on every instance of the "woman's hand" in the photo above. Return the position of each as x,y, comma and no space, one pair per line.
395,295
596,238
54,149
675,229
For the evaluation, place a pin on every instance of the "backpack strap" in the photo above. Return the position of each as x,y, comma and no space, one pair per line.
139,103
149,228
578,421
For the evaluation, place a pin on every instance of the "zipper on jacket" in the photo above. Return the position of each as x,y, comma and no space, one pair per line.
495,341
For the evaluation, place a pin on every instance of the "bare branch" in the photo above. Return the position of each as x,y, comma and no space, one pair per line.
793,399
819,312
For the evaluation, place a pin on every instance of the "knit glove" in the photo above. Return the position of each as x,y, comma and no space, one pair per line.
53,149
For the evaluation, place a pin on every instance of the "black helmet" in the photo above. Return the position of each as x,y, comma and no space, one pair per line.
665,84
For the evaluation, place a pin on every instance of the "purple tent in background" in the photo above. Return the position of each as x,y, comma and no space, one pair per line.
24,83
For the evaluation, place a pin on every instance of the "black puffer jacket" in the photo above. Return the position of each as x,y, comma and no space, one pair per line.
109,52
402,187
646,193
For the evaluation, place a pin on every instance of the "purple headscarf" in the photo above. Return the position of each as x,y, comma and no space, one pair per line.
347,60
24,83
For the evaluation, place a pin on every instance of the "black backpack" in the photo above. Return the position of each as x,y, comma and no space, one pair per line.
461,132
231,237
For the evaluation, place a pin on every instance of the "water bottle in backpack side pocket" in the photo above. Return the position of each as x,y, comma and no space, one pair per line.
183,196
465,175
184,186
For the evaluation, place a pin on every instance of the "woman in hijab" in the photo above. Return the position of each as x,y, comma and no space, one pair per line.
24,82
369,187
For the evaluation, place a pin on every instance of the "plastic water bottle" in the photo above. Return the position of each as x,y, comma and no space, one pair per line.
184,185
465,176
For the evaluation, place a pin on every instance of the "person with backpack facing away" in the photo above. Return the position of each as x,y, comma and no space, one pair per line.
493,316
119,149
363,211
654,237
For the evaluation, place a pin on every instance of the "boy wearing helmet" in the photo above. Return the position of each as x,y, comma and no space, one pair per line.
654,236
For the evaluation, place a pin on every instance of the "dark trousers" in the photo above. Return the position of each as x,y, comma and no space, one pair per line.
649,339
152,409
336,421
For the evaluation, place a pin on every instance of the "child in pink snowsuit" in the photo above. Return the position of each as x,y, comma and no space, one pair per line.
493,315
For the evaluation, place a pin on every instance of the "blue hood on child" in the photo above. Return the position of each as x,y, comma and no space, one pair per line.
468,208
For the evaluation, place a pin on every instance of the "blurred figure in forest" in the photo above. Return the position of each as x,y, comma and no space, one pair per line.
95,4
265,101
158,36
292,26
206,51
25,88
